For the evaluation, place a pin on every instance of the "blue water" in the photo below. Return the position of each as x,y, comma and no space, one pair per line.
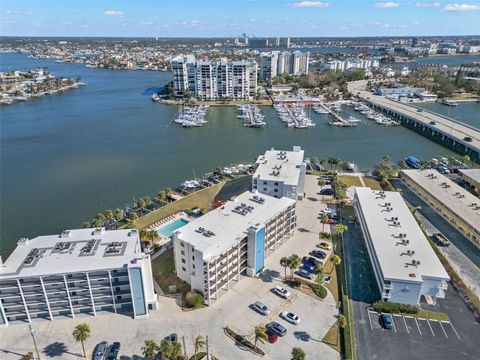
167,230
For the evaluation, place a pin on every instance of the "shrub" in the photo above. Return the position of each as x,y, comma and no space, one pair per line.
325,235
392,307
294,283
194,299
319,290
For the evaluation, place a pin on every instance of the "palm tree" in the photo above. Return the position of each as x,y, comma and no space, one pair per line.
81,333
319,271
298,354
108,214
321,183
323,220
336,260
27,356
177,351
150,349
341,321
86,225
294,263
199,344
141,203
118,214
166,349
285,262
161,196
340,229
260,334
167,192
147,201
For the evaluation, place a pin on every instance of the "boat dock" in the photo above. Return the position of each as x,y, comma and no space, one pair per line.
455,135
339,121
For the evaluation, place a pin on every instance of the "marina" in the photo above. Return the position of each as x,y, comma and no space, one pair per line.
251,116
192,116
374,115
294,115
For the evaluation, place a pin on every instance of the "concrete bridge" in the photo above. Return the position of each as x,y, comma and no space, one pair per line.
455,135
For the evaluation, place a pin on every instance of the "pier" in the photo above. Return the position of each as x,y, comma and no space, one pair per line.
339,121
457,136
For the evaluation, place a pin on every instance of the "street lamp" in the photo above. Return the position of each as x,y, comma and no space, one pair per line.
32,332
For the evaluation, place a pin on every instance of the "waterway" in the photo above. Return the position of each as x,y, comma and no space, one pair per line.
66,157
467,112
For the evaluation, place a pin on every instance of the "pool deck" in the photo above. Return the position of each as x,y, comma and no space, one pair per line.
166,221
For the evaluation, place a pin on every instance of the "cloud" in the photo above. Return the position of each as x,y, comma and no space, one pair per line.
461,7
309,4
21,13
427,5
114,13
389,4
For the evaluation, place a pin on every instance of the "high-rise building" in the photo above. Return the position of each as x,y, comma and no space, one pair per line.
212,80
276,63
78,272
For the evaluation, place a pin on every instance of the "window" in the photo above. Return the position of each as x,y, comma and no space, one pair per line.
119,297
183,261
254,186
276,184
182,244
276,190
184,269
264,183
264,189
182,252
193,257
193,266
117,288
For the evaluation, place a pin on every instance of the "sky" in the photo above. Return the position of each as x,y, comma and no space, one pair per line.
229,18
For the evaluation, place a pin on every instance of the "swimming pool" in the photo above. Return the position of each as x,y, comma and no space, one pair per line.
167,230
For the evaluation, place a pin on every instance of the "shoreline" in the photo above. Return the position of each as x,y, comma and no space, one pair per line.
27,97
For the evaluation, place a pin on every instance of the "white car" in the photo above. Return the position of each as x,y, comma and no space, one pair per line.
282,292
290,317
261,308
326,211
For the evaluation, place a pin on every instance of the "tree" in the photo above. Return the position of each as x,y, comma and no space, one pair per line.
321,183
260,334
27,356
340,229
118,214
132,216
141,203
177,351
147,201
341,321
285,262
319,271
336,260
198,344
167,192
323,220
86,225
298,354
81,333
108,214
150,349
294,263
161,196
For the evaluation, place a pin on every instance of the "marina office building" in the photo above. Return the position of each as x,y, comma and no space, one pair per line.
276,63
85,271
214,80
217,248
281,173
460,207
405,265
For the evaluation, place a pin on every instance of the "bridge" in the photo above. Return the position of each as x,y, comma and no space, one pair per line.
455,135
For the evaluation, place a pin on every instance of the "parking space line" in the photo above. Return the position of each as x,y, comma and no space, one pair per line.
406,326
443,328
430,326
393,322
418,327
370,319
455,331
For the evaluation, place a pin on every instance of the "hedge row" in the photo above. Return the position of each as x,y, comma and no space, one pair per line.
319,290
396,308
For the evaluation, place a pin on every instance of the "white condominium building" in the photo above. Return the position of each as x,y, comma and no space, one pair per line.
233,240
338,65
78,272
404,263
281,173
212,80
276,63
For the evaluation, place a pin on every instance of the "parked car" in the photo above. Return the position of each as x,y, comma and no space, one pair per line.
386,321
276,328
326,192
318,254
306,274
172,337
327,211
313,261
114,350
308,266
331,222
327,279
261,308
100,351
441,240
324,245
272,337
290,317
282,292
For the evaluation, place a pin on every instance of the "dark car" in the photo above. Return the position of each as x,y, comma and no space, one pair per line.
172,337
419,110
276,328
386,321
318,254
468,139
306,274
433,123
326,192
272,337
313,261
100,351
114,350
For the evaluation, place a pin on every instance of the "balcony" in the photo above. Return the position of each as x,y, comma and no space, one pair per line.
386,296
440,294
387,286
443,285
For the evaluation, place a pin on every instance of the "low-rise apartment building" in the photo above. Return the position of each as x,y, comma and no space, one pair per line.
471,178
85,271
405,265
217,248
460,207
281,173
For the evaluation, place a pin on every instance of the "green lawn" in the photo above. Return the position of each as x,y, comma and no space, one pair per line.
163,269
372,183
201,199
350,180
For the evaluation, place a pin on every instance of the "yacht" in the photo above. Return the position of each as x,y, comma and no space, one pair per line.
448,102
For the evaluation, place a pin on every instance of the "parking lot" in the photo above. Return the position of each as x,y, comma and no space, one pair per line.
55,339
410,338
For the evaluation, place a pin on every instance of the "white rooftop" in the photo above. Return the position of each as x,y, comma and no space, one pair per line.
71,252
452,195
227,225
280,165
393,257
473,174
